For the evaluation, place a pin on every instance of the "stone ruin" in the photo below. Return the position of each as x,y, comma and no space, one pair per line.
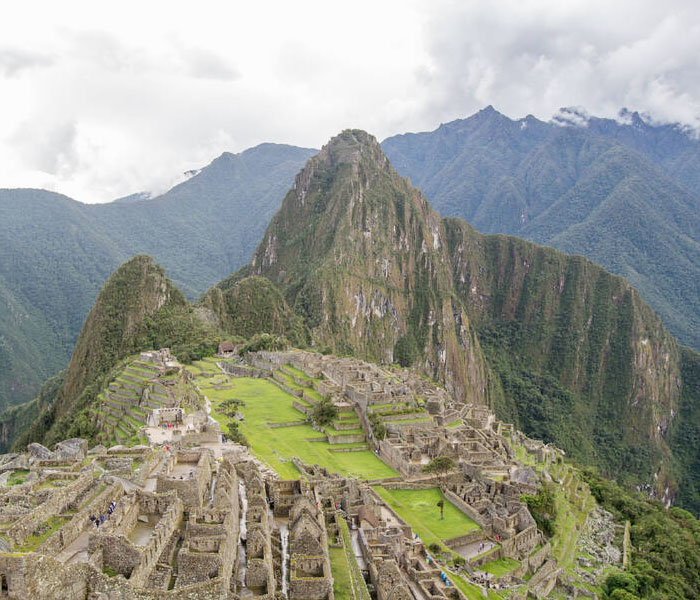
212,522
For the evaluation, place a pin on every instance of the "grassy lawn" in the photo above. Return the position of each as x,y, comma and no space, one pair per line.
419,509
342,587
471,591
500,567
266,403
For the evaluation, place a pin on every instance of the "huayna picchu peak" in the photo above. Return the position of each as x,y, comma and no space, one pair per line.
380,396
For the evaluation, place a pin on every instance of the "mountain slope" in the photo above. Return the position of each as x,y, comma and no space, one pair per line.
566,350
361,256
57,253
138,308
623,195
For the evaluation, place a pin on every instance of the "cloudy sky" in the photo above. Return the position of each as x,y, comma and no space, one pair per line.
100,102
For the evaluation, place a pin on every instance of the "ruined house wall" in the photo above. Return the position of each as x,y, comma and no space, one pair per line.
59,501
33,576
76,526
165,527
471,513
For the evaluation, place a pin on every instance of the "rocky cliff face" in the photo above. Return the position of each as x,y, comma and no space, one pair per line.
555,343
362,257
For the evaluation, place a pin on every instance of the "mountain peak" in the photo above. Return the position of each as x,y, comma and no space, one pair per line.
349,146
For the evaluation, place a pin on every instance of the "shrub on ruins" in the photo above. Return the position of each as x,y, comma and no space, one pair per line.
378,427
231,408
324,412
265,342
543,508
435,548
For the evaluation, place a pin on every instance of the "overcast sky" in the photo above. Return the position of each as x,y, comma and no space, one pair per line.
98,103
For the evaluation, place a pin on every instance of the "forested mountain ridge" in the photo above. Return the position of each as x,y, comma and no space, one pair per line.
568,351
57,253
624,194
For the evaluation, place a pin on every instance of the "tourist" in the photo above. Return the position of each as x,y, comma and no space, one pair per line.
102,518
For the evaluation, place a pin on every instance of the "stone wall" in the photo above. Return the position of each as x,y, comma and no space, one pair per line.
190,490
57,503
243,371
471,513
76,526
37,577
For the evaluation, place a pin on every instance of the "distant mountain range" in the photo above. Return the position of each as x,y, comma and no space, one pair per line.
624,193
56,253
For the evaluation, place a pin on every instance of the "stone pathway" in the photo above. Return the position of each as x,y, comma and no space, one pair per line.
469,551
77,551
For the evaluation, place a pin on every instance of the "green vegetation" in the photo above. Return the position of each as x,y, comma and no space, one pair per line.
266,342
357,588
406,350
543,508
471,591
342,587
377,425
18,477
500,567
266,404
440,466
614,193
253,306
231,409
58,252
665,558
417,508
324,413
138,309
685,433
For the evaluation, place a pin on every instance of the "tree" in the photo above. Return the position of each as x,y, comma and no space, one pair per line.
231,407
406,350
324,412
440,466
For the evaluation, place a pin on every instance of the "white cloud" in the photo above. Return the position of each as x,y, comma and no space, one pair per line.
98,103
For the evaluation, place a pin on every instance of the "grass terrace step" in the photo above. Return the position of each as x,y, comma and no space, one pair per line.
140,374
298,373
144,366
127,377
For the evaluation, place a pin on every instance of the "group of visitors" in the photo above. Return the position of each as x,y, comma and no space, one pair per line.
99,520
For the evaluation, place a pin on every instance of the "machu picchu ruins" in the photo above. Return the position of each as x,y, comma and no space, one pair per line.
165,506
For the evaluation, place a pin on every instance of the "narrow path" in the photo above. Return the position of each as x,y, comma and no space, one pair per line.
73,553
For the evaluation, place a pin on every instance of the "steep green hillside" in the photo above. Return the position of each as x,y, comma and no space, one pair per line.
249,306
361,257
555,343
625,195
570,343
138,309
54,262
57,253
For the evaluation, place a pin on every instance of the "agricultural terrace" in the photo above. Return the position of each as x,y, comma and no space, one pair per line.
420,510
267,405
